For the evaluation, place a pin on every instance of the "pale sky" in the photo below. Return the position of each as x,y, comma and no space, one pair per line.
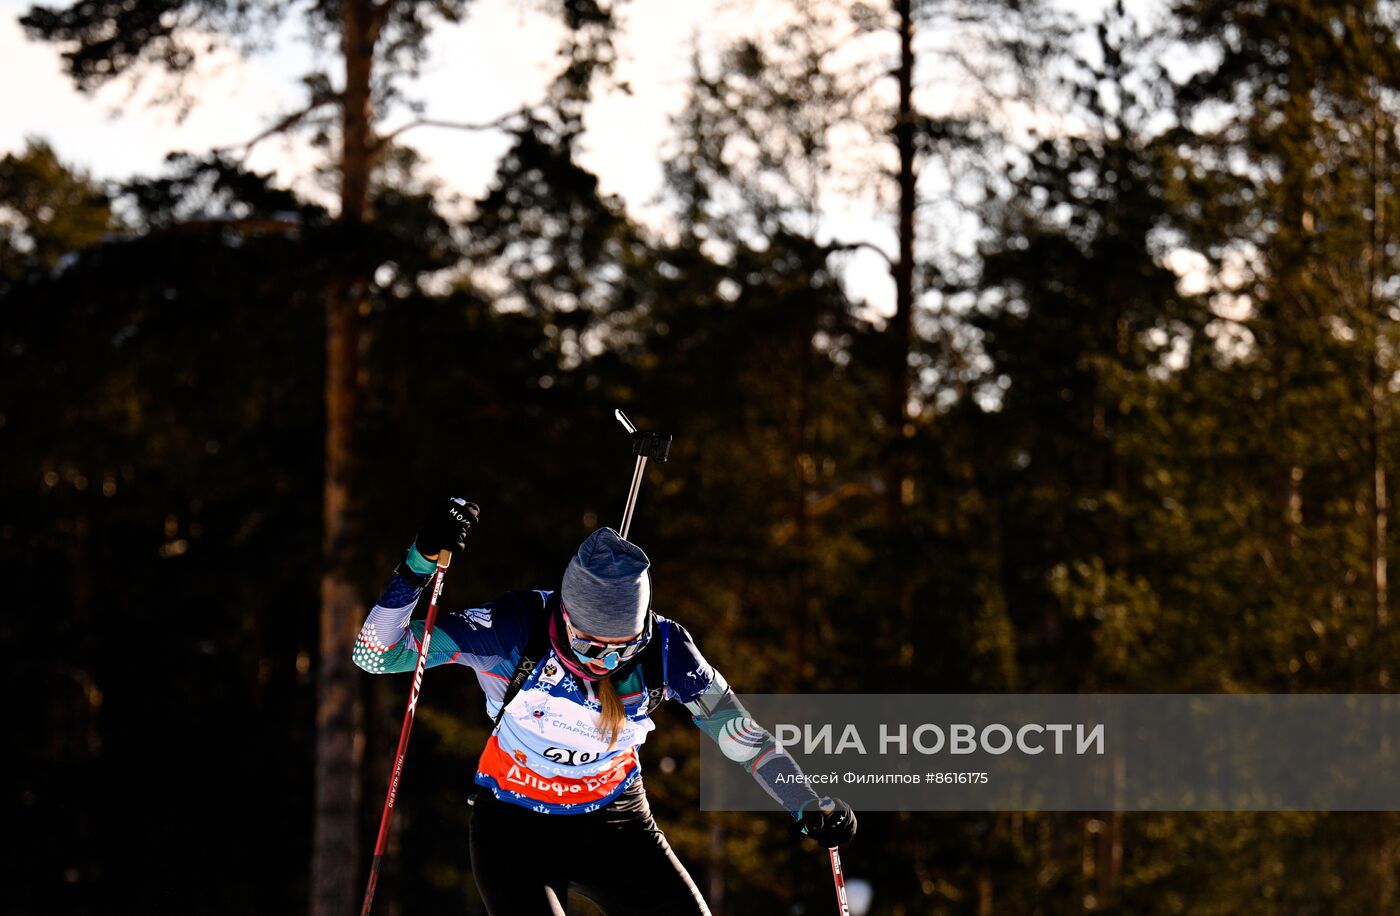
501,57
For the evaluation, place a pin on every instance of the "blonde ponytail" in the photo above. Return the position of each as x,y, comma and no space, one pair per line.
613,714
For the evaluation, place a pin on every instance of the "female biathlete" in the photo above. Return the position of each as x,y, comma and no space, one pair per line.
562,805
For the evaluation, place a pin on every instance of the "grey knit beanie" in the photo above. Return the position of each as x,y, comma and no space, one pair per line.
607,589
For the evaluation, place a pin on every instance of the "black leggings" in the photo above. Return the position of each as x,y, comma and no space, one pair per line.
526,863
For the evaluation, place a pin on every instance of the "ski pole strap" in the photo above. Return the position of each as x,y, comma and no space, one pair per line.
418,564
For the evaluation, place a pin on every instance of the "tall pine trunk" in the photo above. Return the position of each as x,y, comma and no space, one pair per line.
898,481
1378,501
901,328
339,726
1376,382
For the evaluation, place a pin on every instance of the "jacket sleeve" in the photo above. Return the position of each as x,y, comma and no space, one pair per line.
483,638
718,713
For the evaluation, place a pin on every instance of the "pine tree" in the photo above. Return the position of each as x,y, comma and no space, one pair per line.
49,211
380,45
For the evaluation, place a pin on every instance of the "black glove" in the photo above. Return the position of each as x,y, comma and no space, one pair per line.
446,525
829,821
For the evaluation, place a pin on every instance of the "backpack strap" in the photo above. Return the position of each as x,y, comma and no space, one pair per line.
536,645
654,668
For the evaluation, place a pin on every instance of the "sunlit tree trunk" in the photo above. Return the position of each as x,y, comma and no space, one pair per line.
1375,387
339,727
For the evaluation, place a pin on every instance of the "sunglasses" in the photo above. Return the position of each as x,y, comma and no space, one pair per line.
609,654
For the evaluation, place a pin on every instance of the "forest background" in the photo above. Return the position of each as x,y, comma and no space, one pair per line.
1117,414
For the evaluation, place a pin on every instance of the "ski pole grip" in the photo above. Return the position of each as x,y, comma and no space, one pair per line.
444,559
656,446
645,443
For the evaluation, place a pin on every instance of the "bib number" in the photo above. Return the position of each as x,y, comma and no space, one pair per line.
569,757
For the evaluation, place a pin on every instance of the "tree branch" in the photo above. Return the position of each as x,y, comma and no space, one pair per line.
251,226
1237,322
288,122
378,15
837,247
498,124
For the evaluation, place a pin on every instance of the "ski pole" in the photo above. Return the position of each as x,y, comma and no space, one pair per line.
645,444
840,878
383,841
